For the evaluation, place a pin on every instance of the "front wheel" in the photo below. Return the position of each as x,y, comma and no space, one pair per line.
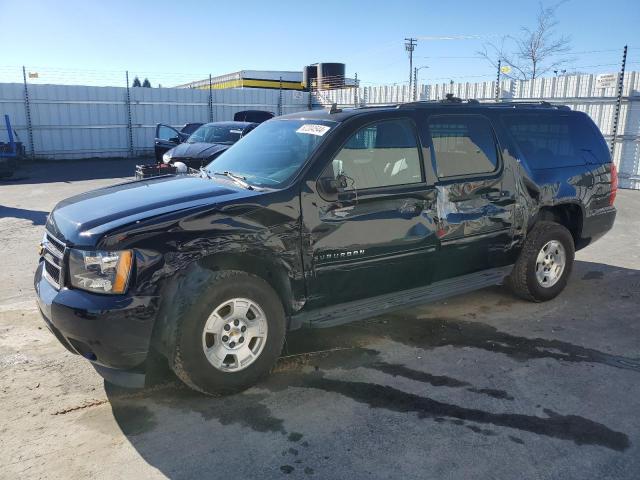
231,336
545,263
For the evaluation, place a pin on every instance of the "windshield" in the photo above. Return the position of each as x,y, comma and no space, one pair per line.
225,134
274,152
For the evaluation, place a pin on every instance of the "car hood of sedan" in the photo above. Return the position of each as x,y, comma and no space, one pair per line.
196,150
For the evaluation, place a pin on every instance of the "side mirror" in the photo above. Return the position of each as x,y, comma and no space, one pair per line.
175,140
332,186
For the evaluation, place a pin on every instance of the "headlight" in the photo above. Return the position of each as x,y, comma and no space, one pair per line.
100,272
166,158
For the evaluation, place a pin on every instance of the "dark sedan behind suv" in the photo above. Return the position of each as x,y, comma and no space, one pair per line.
207,143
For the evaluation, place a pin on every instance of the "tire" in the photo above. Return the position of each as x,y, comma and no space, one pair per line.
220,304
525,281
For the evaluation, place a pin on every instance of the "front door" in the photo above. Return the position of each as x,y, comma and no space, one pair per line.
376,233
166,138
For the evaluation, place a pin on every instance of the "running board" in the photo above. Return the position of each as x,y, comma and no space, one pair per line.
374,306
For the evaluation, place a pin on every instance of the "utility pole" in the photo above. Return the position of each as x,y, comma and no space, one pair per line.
415,81
616,115
410,46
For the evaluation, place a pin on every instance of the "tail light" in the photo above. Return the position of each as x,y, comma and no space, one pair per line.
614,184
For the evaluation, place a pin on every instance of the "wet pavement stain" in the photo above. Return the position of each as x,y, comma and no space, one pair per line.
492,392
294,436
287,469
242,409
580,430
482,431
593,275
436,380
429,333
397,370
135,420
437,332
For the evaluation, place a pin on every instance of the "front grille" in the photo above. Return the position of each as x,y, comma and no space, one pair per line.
53,256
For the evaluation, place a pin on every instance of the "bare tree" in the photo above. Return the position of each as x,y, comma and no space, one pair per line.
533,53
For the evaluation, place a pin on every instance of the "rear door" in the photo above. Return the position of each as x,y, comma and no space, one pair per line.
377,233
167,137
474,207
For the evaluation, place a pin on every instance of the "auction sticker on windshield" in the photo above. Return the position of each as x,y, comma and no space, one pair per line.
313,129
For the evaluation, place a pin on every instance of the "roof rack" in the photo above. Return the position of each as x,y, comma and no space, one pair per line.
455,101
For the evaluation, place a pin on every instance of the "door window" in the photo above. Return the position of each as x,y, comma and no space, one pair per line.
380,155
551,140
167,133
463,145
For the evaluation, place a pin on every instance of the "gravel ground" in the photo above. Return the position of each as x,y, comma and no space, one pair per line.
480,386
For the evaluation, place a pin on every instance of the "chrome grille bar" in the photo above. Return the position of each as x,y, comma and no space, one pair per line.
53,256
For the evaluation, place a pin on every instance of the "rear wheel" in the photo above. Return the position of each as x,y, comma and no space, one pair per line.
545,263
231,336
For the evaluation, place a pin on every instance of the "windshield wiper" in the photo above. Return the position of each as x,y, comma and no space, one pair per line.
236,178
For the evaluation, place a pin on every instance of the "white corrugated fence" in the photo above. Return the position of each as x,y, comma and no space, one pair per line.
71,121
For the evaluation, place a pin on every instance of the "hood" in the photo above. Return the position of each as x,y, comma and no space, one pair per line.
83,219
197,150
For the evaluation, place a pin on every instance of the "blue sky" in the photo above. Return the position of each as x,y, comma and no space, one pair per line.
170,42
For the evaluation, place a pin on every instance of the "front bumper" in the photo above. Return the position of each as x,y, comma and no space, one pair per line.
113,332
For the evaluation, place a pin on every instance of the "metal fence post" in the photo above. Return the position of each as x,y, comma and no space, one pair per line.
616,115
27,111
129,125
280,98
498,82
355,93
210,100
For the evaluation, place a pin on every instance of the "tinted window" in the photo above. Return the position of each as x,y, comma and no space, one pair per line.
166,133
189,128
548,140
463,145
216,134
257,116
380,155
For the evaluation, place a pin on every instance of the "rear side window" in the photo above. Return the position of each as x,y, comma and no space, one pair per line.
463,145
550,140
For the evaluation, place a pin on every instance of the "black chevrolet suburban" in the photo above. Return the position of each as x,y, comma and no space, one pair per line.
316,219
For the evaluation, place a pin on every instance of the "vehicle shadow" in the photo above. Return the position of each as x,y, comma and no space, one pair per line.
74,170
37,217
297,420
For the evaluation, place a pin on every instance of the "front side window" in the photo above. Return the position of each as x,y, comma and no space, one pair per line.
166,133
463,145
379,155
